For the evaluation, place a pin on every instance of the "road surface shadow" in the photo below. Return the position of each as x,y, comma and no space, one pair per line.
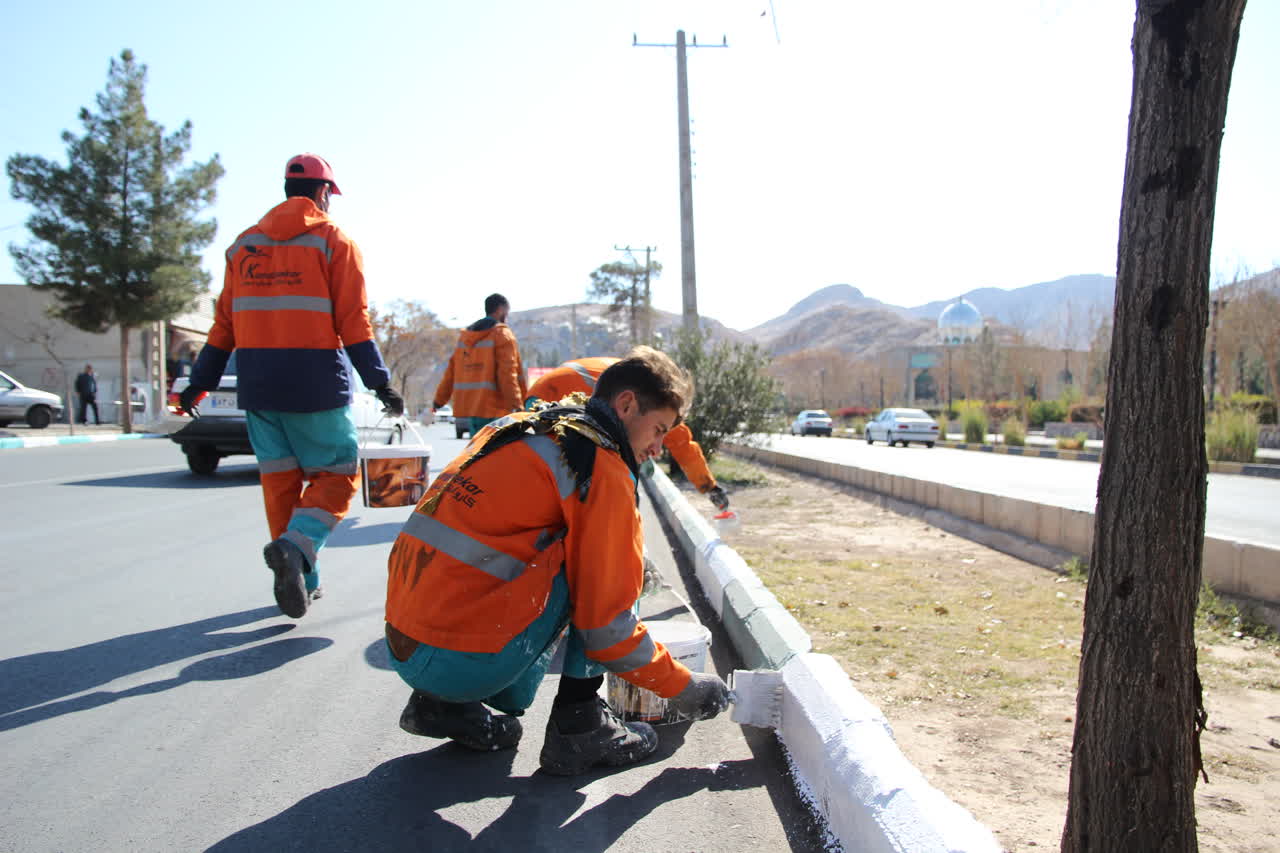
41,677
242,663
397,807
228,476
351,534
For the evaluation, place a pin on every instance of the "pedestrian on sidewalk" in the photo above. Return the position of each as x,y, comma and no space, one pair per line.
87,391
533,530
293,302
485,377
580,376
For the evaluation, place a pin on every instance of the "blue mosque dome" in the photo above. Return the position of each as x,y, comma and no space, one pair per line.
959,323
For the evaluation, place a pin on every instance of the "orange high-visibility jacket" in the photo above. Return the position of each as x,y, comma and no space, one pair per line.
581,375
293,297
485,376
474,564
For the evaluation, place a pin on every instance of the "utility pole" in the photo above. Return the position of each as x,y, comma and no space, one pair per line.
645,333
688,278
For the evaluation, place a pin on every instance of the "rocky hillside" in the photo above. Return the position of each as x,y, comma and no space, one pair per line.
548,336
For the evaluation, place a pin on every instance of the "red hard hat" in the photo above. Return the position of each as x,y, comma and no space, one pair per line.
311,166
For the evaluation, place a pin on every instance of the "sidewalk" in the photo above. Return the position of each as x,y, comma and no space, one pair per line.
19,435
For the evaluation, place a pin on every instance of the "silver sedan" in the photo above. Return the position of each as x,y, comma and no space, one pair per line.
902,426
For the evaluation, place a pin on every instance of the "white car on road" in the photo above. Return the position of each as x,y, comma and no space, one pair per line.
19,402
902,426
221,430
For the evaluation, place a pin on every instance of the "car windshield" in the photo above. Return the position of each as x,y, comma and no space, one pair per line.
911,413
817,413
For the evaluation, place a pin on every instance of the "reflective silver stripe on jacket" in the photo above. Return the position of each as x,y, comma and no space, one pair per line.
464,549
326,518
348,468
549,452
622,626
636,658
474,386
309,241
275,466
583,372
282,303
486,343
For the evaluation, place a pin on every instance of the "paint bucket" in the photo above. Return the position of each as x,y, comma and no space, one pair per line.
688,643
726,522
394,474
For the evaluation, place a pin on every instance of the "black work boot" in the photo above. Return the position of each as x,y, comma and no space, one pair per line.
469,723
287,562
582,735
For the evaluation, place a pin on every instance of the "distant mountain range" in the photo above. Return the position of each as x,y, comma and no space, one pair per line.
1061,313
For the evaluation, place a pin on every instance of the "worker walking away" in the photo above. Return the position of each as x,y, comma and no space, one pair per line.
533,530
293,300
580,375
485,377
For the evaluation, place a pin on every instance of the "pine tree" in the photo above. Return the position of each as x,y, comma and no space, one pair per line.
116,238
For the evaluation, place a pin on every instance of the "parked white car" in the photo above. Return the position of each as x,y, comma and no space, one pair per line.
812,422
902,426
222,430
20,402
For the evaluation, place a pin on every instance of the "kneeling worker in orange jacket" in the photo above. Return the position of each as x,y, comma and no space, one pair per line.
581,375
532,530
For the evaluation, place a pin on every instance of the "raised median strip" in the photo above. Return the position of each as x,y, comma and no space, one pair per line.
1247,469
54,440
840,744
1244,569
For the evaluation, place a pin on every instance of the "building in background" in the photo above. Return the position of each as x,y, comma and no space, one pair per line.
48,353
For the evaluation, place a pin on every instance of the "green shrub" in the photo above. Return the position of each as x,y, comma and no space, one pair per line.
974,421
1074,442
1042,412
1015,433
1232,436
1257,404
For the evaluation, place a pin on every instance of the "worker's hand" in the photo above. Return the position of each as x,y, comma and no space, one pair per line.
719,498
392,404
188,398
652,578
705,696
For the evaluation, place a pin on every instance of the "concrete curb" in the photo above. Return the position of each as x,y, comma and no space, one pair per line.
1248,570
53,440
840,744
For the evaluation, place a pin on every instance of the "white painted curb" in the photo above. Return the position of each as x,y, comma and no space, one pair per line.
840,743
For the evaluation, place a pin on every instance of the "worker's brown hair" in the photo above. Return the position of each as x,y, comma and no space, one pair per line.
658,382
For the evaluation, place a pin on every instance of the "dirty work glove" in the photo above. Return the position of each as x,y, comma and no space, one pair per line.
187,400
391,402
652,578
702,698
719,498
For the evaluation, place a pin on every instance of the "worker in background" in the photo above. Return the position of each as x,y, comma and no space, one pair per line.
485,377
580,375
535,528
293,299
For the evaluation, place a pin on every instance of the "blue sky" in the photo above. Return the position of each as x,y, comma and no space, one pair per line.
915,151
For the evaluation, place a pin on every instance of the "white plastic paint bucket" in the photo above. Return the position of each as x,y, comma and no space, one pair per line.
394,474
687,642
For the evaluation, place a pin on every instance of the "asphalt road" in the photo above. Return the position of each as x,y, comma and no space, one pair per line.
152,697
1240,507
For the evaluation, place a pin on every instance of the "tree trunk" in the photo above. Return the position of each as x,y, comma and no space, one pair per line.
126,404
1138,717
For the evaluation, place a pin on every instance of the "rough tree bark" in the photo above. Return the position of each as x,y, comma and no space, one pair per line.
1136,751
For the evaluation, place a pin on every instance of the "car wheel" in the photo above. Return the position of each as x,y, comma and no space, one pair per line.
39,417
928,444
870,440
203,460
4,423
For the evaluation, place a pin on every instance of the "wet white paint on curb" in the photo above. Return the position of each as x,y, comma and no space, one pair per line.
840,744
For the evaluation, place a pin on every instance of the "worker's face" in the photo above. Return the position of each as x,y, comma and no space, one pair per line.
645,430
